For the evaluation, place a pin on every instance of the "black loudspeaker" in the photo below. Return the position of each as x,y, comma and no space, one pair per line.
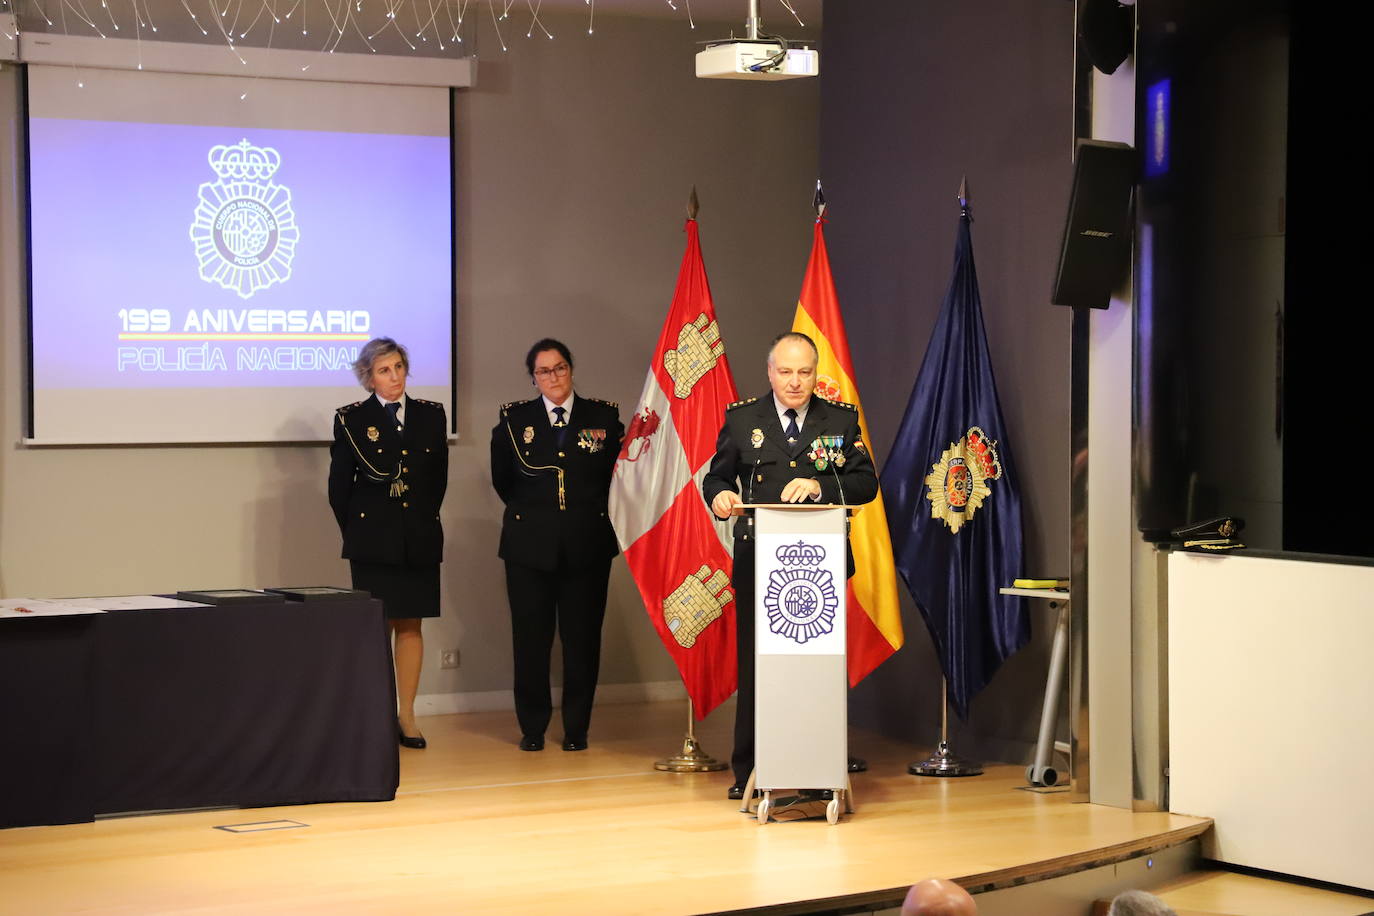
1107,31
1097,234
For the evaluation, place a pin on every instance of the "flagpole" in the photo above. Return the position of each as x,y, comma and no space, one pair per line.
945,762
692,759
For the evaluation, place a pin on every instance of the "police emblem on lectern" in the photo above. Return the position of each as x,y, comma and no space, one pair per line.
800,599
244,230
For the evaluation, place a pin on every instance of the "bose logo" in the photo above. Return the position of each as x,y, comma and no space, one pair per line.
1096,234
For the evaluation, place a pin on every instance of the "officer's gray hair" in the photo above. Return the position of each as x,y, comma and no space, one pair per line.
799,337
372,351
1139,903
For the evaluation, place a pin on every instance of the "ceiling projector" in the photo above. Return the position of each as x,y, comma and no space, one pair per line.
764,58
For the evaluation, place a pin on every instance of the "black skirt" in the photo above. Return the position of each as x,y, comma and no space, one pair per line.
405,591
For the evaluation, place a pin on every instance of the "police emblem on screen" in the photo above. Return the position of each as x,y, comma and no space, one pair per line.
800,599
244,230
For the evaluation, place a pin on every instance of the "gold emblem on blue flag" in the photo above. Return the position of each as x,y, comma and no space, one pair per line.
958,483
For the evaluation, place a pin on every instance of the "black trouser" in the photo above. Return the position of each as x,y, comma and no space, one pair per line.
742,580
573,601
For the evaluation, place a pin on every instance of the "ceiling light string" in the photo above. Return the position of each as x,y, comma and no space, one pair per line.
787,5
80,12
535,21
271,35
109,13
41,11
138,34
192,14
491,5
228,37
456,35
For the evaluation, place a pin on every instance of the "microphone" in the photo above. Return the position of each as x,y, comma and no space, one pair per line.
838,484
754,472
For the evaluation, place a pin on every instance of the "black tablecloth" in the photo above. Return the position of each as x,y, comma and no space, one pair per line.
247,705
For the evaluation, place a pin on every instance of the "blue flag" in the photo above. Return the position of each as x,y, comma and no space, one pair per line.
954,507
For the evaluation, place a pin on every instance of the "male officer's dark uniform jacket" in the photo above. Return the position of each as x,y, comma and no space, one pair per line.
369,461
556,489
754,458
752,449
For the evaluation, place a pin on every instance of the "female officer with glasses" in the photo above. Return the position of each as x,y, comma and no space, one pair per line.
551,463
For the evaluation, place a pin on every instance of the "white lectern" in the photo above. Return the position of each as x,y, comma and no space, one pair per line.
801,716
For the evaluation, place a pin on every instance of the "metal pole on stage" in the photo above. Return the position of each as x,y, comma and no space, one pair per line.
692,759
945,762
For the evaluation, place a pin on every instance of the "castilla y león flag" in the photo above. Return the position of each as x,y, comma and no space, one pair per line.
676,551
874,615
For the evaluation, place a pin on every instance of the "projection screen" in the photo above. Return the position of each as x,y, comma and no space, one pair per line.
209,253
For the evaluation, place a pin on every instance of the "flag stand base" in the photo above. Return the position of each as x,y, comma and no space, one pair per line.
692,759
944,762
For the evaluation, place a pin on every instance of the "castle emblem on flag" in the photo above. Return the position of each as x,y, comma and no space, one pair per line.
639,437
801,600
244,229
958,483
696,604
699,348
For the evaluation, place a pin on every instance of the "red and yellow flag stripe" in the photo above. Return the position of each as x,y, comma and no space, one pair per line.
875,620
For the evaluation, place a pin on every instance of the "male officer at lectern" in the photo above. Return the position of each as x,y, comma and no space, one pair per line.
786,447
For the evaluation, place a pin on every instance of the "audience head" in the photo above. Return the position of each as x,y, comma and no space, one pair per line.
938,897
1139,903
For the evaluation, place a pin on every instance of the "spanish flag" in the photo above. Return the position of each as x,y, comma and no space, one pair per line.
875,621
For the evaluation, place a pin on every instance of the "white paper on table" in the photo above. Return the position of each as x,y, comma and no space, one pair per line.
134,603
44,607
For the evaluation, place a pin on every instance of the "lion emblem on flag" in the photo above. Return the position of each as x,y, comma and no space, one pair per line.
639,437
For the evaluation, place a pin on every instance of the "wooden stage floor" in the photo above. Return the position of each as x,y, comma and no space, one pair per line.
479,827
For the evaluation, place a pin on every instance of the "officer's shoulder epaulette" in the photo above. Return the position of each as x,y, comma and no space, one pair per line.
347,407
427,403
845,404
611,404
509,404
741,403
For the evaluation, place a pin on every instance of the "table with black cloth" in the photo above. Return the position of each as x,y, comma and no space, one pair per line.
235,705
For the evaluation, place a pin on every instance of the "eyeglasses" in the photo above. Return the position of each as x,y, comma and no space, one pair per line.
558,371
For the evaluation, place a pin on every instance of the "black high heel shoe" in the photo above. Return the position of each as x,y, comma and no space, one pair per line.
417,744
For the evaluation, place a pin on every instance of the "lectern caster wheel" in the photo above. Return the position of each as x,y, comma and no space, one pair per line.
1030,774
764,807
1048,776
832,811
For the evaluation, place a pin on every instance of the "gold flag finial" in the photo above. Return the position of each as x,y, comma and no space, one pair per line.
693,205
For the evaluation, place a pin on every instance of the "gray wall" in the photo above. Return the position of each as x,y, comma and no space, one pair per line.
941,91
575,159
